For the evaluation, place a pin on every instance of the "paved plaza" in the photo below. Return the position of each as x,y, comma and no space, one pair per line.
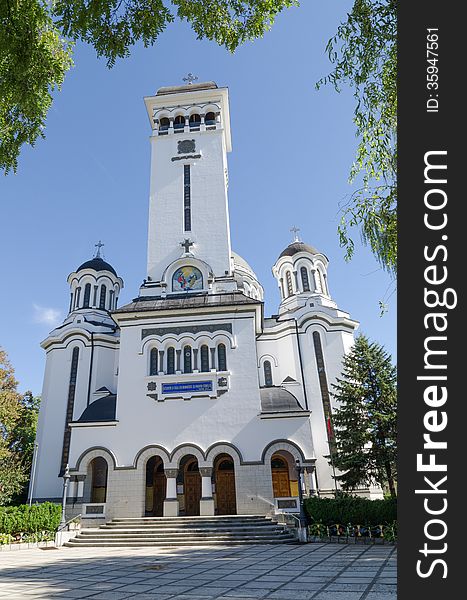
282,572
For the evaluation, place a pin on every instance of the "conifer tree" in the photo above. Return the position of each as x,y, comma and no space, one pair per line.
365,420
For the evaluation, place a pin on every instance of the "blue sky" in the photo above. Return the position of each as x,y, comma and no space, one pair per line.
89,179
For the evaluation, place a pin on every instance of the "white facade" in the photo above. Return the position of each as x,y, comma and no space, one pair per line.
188,400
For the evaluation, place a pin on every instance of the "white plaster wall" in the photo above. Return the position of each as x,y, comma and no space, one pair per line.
53,413
209,209
233,417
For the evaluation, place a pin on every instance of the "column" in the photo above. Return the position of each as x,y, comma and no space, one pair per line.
171,502
206,504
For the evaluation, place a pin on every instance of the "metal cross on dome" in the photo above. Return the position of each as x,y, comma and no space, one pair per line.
190,78
294,230
99,245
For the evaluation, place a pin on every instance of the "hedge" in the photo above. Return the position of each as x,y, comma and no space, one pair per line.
347,509
15,520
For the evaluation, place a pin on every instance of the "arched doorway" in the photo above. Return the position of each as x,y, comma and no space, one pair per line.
98,480
156,487
224,472
280,476
189,470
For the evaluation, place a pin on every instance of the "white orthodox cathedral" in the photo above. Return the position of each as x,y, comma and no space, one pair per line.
189,400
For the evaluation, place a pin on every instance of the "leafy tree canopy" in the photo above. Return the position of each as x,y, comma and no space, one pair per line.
37,36
18,421
365,420
364,55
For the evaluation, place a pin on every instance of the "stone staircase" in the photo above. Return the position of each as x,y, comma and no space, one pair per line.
185,531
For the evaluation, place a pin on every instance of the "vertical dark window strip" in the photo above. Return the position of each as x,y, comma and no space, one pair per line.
69,410
221,357
78,293
305,279
204,358
103,297
111,299
187,197
171,361
153,361
323,383
71,303
288,278
94,300
87,295
187,360
267,374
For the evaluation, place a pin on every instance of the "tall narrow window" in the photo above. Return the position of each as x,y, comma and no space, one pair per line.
288,278
69,409
186,197
111,299
179,124
305,279
204,358
170,361
77,294
221,357
187,360
99,480
87,295
153,361
164,125
103,297
210,120
267,374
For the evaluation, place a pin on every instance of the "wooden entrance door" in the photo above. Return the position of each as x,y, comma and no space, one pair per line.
225,493
192,492
281,483
160,492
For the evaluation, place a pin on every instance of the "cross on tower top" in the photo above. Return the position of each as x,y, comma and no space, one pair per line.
187,243
99,245
294,230
190,78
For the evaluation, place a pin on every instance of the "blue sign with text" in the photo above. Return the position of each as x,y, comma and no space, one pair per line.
186,388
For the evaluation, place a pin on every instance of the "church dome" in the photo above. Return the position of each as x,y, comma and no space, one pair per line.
96,264
241,264
296,247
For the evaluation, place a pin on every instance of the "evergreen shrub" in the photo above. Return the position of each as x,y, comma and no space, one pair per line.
15,520
347,509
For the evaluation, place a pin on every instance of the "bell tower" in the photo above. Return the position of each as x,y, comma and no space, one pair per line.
188,208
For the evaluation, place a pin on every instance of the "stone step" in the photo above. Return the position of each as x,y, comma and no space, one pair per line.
174,536
175,530
194,527
182,531
73,543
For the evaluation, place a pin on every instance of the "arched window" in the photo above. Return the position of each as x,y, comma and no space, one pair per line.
111,299
305,279
87,295
187,279
99,480
267,374
221,358
210,119
288,278
153,361
103,297
204,358
171,361
195,122
179,124
321,283
77,295
187,360
164,125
